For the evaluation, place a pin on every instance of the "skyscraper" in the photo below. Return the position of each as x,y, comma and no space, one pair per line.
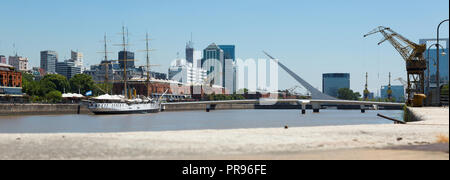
190,52
229,79
129,57
332,82
229,68
213,63
48,61
229,51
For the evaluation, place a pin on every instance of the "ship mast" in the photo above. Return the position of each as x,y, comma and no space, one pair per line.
125,59
147,50
106,66
148,63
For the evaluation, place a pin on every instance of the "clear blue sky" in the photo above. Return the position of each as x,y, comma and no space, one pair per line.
311,37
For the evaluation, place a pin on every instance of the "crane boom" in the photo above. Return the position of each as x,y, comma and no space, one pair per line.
412,53
408,50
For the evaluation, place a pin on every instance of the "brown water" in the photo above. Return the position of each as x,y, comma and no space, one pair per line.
188,120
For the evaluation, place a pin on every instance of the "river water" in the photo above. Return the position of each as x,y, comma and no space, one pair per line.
189,120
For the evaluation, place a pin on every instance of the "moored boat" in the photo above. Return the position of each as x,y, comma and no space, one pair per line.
107,104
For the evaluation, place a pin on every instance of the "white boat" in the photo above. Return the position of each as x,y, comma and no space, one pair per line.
107,104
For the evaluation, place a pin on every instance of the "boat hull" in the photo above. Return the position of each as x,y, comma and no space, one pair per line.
123,108
126,112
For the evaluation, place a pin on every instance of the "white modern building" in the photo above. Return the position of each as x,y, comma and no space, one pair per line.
230,76
186,73
77,58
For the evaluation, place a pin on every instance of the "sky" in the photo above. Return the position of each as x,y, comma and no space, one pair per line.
310,37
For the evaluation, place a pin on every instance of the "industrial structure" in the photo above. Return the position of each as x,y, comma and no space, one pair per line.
389,90
366,88
412,53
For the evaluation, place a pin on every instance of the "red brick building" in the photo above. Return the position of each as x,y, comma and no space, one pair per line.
10,80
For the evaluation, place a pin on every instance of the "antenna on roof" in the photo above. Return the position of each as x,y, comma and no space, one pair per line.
14,49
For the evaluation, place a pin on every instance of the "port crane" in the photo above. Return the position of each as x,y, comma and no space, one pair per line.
389,91
366,88
412,53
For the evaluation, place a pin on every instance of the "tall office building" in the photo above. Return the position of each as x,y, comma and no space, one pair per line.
229,69
213,63
219,62
48,61
398,92
3,59
431,59
18,62
129,57
197,59
68,68
229,78
190,52
332,82
229,51
77,58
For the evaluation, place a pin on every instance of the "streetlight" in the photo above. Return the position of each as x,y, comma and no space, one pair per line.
428,63
438,85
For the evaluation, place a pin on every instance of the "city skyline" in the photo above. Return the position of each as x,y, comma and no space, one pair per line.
298,35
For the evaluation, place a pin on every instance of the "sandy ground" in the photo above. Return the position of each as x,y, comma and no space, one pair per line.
387,141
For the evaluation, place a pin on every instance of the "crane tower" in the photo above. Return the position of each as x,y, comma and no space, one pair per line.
412,53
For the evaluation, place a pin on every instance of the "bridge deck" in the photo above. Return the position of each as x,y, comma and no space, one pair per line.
298,101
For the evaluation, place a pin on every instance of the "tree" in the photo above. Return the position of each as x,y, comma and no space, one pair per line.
27,77
82,83
28,84
242,91
54,96
61,83
348,94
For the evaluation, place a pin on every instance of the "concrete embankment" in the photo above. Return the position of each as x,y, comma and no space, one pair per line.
428,115
195,107
30,109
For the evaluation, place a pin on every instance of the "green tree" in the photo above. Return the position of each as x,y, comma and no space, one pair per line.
44,87
28,84
61,83
237,97
53,96
348,94
27,77
82,83
243,91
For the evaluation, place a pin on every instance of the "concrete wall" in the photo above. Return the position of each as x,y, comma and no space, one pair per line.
26,109
410,116
202,107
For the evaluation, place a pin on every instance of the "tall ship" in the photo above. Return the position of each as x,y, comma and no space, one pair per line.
129,103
